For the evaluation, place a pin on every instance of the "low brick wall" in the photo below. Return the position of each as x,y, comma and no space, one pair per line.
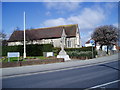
80,58
31,62
9,64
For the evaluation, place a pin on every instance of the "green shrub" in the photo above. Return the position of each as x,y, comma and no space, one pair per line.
56,51
77,52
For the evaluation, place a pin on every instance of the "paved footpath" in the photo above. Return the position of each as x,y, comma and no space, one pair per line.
55,66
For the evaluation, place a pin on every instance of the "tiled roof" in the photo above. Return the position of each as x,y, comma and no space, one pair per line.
88,41
44,33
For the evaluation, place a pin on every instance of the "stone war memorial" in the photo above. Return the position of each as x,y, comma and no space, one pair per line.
62,53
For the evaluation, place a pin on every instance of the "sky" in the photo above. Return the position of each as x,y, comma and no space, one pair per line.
88,15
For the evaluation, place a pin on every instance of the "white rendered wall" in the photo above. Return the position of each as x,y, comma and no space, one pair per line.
55,42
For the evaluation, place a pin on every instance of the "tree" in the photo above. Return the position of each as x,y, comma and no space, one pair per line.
105,35
2,36
17,29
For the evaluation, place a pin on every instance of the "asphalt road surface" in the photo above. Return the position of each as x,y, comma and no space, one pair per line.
97,76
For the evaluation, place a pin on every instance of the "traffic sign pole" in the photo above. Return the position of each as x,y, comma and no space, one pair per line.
92,51
92,42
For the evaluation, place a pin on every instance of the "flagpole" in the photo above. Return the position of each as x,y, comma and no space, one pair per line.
24,36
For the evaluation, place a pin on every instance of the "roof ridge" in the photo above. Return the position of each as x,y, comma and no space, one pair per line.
47,27
55,26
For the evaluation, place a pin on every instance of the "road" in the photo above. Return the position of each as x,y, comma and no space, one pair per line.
96,76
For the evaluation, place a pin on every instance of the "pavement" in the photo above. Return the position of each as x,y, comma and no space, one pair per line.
55,66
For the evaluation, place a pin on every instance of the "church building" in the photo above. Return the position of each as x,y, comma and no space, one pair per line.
49,35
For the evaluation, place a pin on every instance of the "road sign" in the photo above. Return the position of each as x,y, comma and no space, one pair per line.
47,54
92,41
13,54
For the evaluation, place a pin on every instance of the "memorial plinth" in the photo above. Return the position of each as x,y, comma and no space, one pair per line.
62,53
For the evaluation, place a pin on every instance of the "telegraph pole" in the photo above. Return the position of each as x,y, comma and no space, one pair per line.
24,54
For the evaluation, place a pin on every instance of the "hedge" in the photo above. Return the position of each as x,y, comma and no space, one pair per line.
57,50
31,50
80,49
81,54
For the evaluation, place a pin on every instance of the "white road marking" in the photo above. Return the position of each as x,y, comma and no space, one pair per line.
103,84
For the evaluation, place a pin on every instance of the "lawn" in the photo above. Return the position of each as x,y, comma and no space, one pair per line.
1,59
33,57
13,59
41,57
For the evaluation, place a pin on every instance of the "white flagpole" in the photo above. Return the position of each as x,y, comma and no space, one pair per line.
24,36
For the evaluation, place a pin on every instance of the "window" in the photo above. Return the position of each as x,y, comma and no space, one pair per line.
69,44
51,42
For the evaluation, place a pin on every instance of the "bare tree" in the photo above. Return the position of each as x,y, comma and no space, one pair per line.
2,36
105,35
17,29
